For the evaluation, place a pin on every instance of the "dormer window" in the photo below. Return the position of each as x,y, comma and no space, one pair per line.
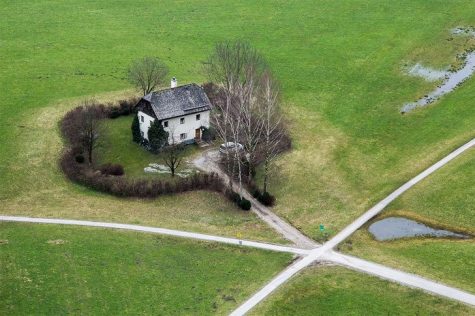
198,117
141,118
182,120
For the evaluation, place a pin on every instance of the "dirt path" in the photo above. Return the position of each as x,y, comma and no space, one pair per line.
158,230
207,162
308,257
321,252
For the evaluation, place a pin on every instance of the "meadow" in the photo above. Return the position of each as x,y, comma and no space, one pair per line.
69,270
339,63
444,200
341,68
338,291
443,260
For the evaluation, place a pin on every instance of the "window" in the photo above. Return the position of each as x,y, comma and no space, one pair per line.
182,120
183,136
141,118
198,117
165,124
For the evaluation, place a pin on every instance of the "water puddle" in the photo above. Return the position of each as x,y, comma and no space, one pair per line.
452,79
399,227
426,73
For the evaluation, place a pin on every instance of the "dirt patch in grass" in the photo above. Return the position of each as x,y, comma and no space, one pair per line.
56,242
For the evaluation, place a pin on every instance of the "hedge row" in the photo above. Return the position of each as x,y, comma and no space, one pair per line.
107,178
142,188
264,197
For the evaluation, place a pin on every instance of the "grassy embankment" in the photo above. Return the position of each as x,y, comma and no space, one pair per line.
337,291
444,200
49,269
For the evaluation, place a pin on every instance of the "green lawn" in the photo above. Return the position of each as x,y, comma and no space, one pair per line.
54,270
340,66
117,147
337,291
444,260
446,199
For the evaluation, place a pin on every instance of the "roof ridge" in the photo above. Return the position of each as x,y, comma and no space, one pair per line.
182,86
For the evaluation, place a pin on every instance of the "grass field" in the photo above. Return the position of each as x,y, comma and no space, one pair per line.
64,270
340,66
337,291
444,200
117,147
444,260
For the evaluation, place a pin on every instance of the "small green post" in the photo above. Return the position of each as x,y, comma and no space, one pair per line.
322,228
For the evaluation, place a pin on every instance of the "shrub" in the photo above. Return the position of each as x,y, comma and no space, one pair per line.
114,112
244,204
208,134
157,136
109,169
79,158
267,199
126,107
136,135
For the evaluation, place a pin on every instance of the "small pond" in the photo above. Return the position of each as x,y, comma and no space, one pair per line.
399,227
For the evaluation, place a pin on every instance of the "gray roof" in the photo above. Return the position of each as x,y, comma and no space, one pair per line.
179,101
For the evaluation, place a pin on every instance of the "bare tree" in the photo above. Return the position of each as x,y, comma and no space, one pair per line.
235,67
173,153
250,113
147,73
89,127
225,67
272,123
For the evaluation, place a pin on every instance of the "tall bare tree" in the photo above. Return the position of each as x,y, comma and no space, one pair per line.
272,123
173,153
250,113
147,73
89,127
235,67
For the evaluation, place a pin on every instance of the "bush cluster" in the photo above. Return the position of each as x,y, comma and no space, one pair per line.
124,108
141,188
208,134
242,203
110,169
264,197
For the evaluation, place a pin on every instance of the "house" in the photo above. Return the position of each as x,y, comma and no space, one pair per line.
182,111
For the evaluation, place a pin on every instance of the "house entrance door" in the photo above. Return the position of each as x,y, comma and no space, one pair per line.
198,133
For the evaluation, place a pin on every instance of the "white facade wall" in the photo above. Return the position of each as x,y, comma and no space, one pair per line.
145,122
175,128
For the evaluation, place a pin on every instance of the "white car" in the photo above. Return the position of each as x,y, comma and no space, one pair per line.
230,146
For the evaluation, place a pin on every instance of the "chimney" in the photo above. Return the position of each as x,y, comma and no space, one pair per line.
174,82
